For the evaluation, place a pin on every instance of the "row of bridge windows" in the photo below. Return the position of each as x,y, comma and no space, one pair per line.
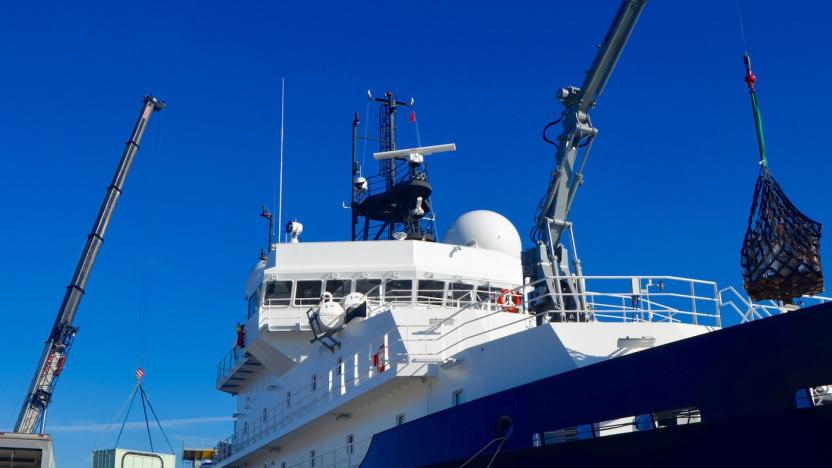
301,293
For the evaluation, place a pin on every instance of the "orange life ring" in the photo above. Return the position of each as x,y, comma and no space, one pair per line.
509,300
378,360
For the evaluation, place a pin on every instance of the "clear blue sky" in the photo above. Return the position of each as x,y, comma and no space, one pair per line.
667,189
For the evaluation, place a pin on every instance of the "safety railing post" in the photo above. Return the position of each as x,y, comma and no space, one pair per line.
693,300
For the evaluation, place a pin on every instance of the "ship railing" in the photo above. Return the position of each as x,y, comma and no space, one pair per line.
229,363
749,310
347,456
596,299
278,312
255,424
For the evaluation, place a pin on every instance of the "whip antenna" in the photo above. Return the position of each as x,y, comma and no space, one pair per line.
280,183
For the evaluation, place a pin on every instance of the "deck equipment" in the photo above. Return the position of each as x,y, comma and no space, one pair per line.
549,258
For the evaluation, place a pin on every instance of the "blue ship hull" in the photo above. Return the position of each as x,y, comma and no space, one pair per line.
745,380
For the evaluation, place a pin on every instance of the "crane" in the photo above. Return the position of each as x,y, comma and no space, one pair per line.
548,258
51,364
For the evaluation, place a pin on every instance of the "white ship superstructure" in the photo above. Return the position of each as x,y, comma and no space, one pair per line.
446,323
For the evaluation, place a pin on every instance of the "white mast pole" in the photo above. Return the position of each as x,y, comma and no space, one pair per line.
280,183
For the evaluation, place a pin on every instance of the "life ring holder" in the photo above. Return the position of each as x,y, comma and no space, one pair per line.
509,300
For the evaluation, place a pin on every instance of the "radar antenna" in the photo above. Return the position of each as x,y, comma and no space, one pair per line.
395,203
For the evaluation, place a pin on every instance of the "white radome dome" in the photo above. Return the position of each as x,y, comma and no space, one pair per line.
486,230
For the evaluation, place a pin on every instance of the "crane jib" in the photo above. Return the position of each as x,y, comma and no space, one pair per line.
577,128
63,332
547,258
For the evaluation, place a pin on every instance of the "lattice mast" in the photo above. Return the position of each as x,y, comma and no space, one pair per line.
57,346
395,201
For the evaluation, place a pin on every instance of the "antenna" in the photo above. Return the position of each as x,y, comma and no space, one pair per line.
264,213
280,183
395,203
414,155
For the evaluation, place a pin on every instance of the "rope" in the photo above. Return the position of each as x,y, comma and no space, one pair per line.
364,145
87,461
416,124
129,407
146,421
494,457
758,124
161,429
147,286
503,439
750,81
16,408
123,405
742,28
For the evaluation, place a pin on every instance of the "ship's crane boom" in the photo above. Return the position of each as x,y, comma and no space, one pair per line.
547,260
577,127
56,348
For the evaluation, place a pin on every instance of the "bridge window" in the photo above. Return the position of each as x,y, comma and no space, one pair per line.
461,292
399,291
369,287
338,288
431,292
487,293
308,293
254,303
278,293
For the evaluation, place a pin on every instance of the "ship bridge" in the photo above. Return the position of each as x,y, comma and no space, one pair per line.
426,281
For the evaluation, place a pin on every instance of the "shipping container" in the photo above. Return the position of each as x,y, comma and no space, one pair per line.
126,458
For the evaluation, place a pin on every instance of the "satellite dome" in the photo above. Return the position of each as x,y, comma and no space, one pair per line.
487,230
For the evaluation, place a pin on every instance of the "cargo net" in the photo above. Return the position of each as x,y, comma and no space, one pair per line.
781,251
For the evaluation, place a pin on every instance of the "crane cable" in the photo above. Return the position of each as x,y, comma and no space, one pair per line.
750,81
146,295
780,254
742,28
139,390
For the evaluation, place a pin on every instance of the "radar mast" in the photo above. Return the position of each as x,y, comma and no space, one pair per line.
394,203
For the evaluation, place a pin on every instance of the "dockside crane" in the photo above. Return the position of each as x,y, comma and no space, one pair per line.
56,349
548,259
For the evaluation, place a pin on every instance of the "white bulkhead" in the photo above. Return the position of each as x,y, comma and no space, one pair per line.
444,323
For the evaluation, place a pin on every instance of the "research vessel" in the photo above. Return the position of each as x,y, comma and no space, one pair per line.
398,348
